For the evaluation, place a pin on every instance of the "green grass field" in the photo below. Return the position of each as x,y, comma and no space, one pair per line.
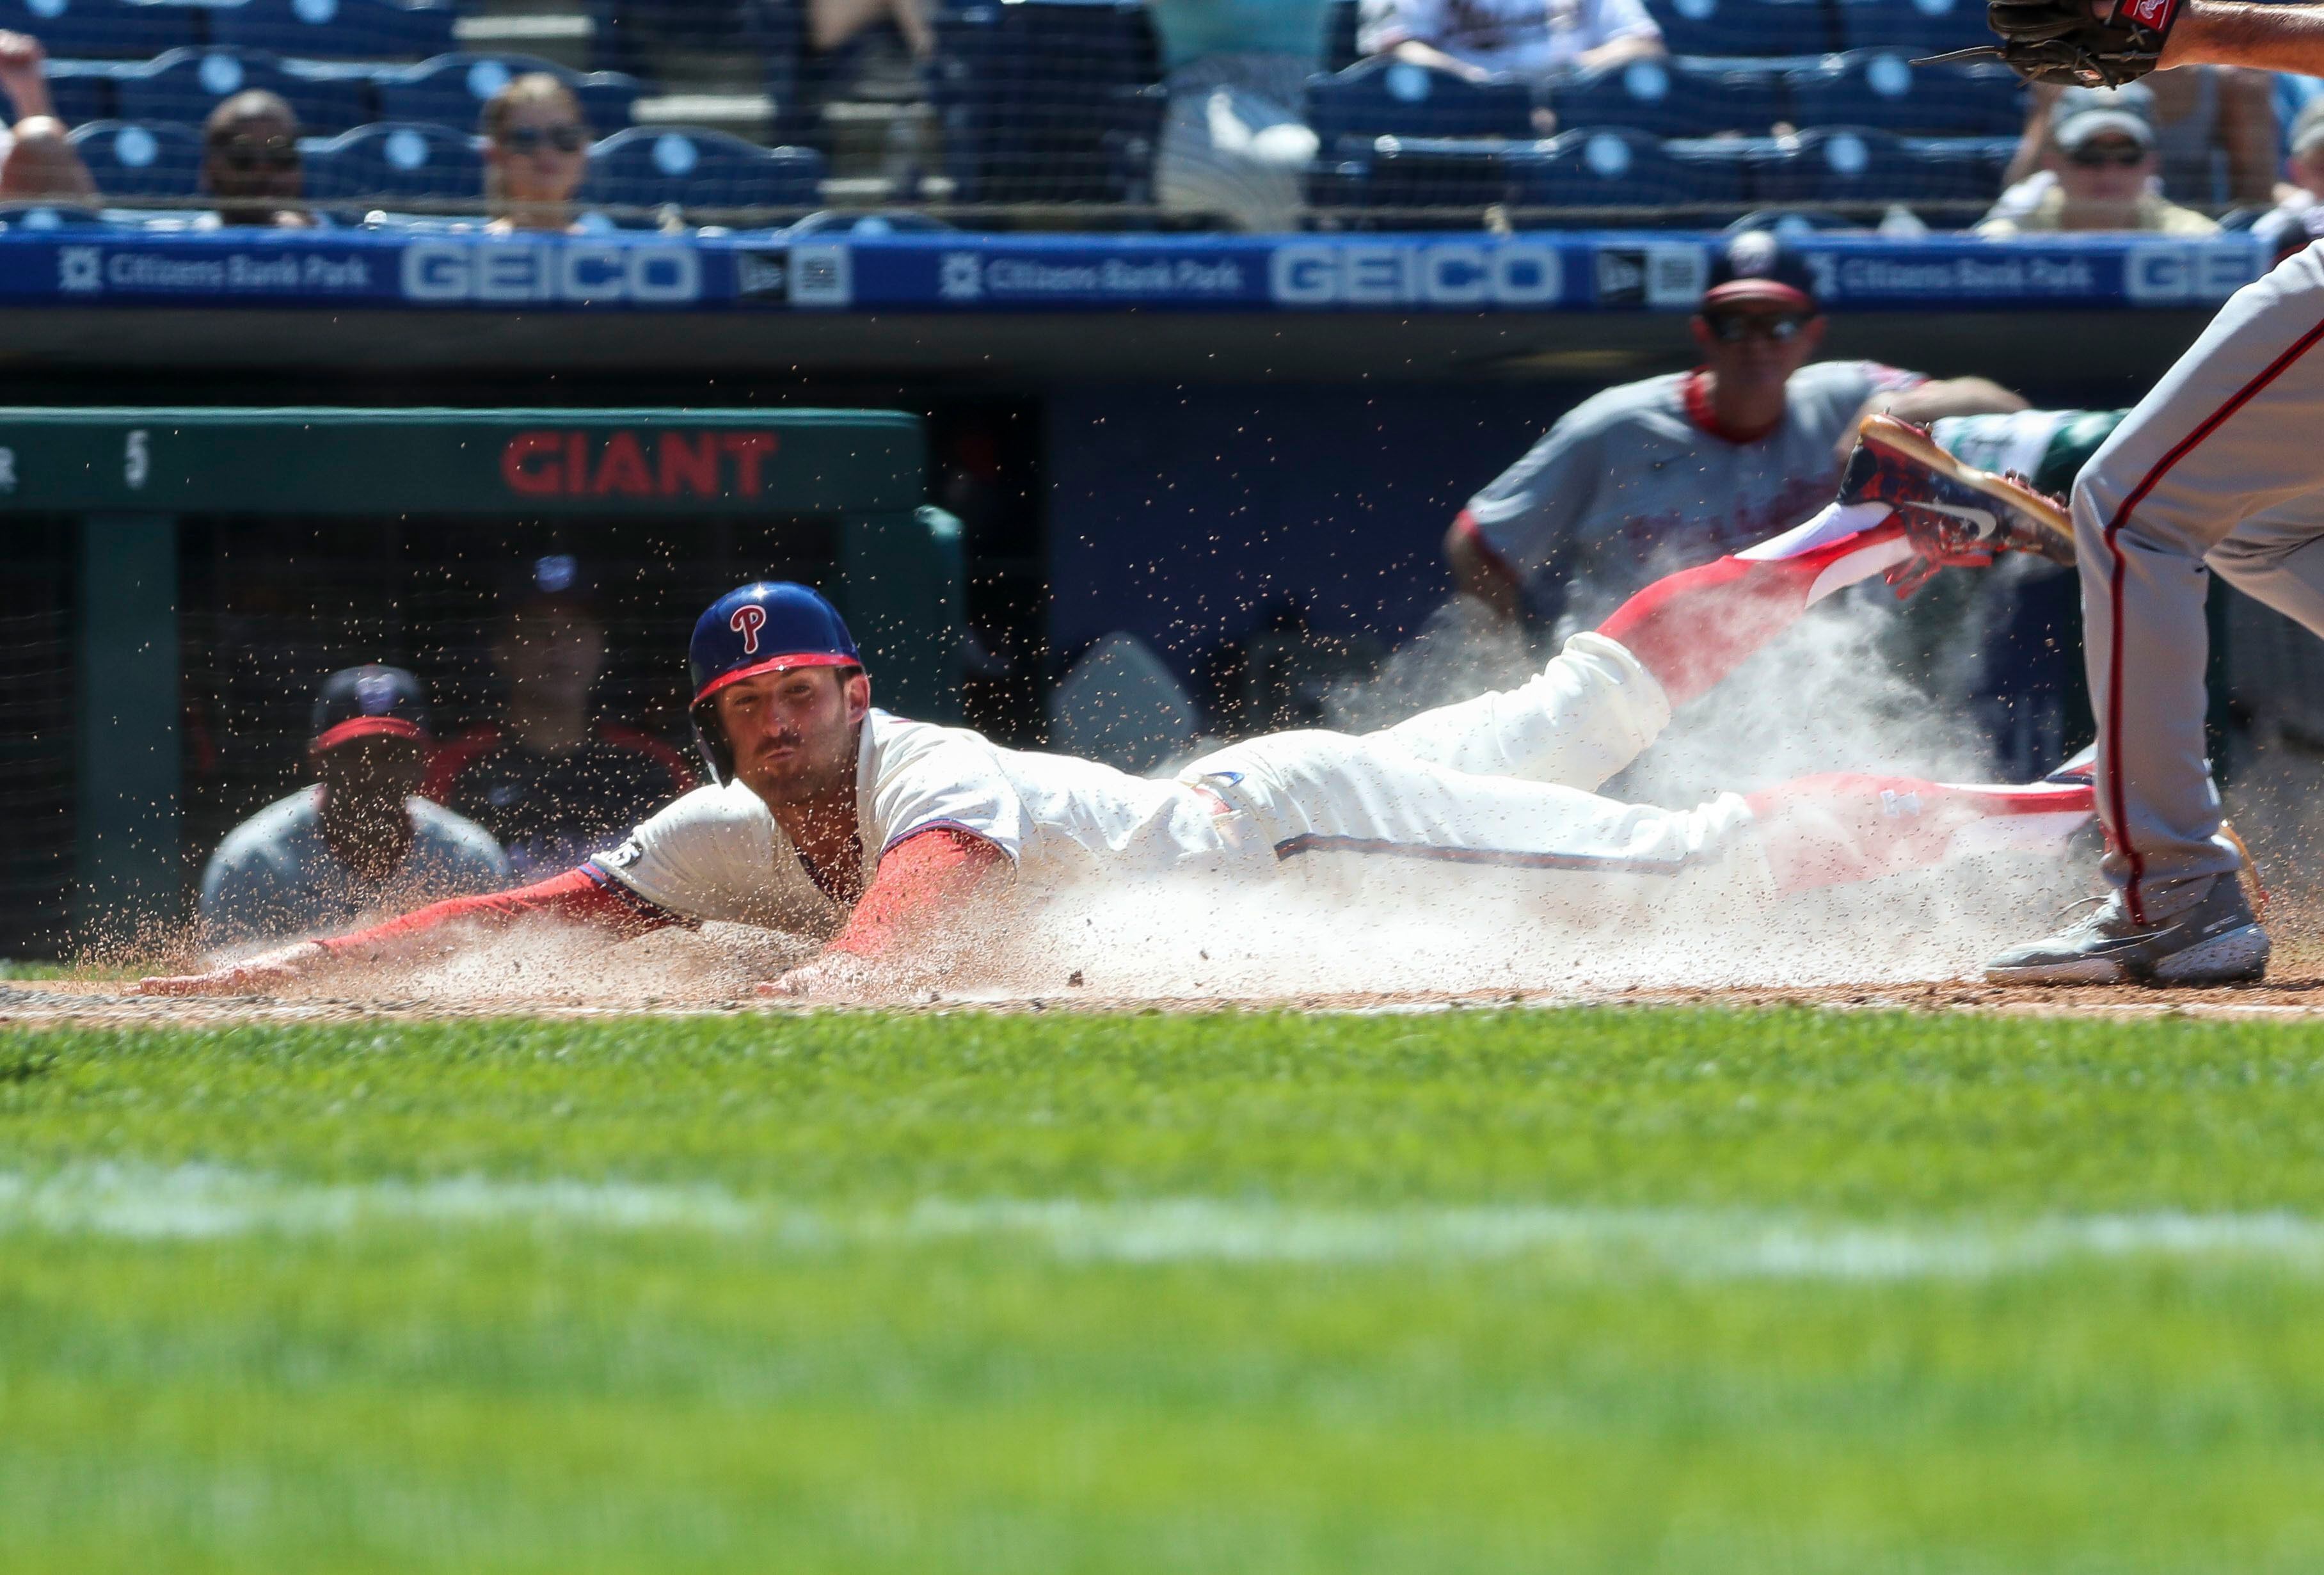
1573,1291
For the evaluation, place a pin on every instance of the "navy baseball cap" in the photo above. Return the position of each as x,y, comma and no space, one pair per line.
1758,268
370,701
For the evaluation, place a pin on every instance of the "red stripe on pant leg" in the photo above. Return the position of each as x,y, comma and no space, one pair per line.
2154,478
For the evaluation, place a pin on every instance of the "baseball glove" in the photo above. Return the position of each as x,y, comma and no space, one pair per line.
2074,42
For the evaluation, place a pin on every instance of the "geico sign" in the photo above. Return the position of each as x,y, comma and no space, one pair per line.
551,270
1445,273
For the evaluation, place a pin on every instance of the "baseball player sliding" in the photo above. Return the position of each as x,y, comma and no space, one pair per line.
831,818
2217,468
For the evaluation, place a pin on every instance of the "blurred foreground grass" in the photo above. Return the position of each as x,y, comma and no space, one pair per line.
1585,1291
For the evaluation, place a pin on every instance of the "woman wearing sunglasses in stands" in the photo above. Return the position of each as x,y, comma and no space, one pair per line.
536,154
2102,161
250,163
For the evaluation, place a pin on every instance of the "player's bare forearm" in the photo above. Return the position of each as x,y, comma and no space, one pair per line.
1927,402
2237,32
1479,572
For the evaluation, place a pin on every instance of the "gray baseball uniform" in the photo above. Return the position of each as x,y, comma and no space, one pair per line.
275,875
1635,482
2217,466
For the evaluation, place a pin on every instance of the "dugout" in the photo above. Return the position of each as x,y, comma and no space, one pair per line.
175,583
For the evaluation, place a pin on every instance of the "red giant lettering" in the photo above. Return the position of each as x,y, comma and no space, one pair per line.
523,468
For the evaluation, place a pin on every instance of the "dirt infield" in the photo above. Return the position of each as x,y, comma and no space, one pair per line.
2287,995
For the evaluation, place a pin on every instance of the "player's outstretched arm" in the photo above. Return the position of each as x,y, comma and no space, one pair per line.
2237,32
577,897
924,881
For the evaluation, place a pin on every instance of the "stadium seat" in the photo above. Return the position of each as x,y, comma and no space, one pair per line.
110,30
335,30
1960,168
1912,28
186,85
1755,28
128,159
1613,166
1415,173
1389,97
1043,101
82,90
1343,19
1683,98
1832,164
391,160
451,89
646,166
1884,90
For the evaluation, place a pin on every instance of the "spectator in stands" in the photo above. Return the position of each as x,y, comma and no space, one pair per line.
536,154
2214,130
2103,160
1234,144
832,24
553,784
2303,186
1520,38
1649,478
358,842
251,169
36,163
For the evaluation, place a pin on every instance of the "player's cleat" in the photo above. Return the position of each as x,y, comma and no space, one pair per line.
2081,770
1966,511
2217,942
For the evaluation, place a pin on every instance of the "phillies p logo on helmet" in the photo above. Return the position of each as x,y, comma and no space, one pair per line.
747,621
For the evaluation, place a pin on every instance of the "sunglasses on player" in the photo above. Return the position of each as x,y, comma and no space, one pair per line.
255,152
1733,327
2099,155
567,138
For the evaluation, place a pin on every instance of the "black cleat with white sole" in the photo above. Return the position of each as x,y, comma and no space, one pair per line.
2217,942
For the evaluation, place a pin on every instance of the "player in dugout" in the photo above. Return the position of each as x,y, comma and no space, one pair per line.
552,783
834,818
1653,477
358,841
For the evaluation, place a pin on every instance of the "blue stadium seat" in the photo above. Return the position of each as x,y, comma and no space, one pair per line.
1408,172
335,30
1884,90
1756,28
128,159
1342,21
1389,97
110,29
1960,168
390,160
1613,166
1862,165
646,165
1850,163
1913,27
1677,97
82,90
1043,101
452,90
186,85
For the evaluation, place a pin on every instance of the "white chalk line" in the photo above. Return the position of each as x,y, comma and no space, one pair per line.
204,1202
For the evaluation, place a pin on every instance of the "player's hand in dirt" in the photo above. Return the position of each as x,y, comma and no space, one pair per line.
263,975
835,976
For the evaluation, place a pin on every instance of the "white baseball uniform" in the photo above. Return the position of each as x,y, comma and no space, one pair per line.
1501,779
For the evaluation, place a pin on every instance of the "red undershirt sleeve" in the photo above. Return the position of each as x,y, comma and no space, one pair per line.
580,896
918,879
